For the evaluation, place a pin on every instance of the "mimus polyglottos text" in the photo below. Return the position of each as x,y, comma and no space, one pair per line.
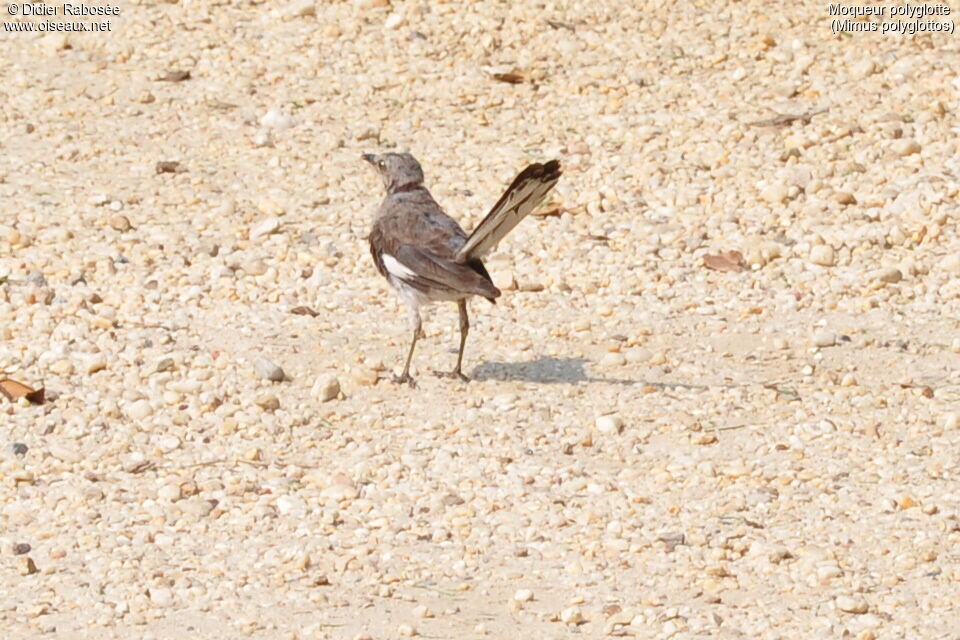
425,255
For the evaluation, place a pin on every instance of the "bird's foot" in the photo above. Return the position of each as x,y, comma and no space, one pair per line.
457,374
406,379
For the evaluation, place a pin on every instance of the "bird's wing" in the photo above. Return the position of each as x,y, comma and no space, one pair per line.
521,197
425,271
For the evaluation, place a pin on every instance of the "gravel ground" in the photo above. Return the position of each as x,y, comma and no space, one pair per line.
663,438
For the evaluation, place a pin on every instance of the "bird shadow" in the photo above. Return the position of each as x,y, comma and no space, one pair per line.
542,370
568,371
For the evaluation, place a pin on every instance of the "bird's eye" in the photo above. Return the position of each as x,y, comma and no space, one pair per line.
382,164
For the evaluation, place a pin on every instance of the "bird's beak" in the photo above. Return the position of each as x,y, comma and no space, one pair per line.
369,157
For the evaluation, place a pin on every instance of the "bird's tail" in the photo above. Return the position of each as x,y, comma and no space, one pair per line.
521,197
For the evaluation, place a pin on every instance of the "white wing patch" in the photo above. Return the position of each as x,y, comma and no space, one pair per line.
396,268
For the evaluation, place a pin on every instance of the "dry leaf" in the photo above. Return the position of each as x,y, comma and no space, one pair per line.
168,166
511,77
14,390
305,311
724,261
556,24
551,210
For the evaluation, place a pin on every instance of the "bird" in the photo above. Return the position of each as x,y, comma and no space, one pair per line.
427,257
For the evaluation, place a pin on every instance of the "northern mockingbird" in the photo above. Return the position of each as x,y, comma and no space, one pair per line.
425,255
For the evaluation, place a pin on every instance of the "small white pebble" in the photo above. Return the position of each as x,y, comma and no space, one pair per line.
775,193
139,410
823,255
571,615
265,228
162,597
523,595
326,388
276,119
421,611
263,138
267,370
609,424
824,339
610,360
95,363
950,263
301,9
906,147
850,604
169,493
394,20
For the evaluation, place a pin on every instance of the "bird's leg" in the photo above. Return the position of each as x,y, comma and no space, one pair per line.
464,330
405,376
417,329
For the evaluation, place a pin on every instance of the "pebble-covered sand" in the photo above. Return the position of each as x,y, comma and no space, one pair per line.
719,397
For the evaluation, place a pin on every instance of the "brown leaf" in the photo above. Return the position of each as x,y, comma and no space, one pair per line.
724,261
511,77
168,166
139,466
551,210
556,24
174,76
305,311
14,390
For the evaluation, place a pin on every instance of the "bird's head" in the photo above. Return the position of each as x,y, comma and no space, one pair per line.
399,171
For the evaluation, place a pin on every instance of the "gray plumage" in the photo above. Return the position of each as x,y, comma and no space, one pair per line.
426,256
